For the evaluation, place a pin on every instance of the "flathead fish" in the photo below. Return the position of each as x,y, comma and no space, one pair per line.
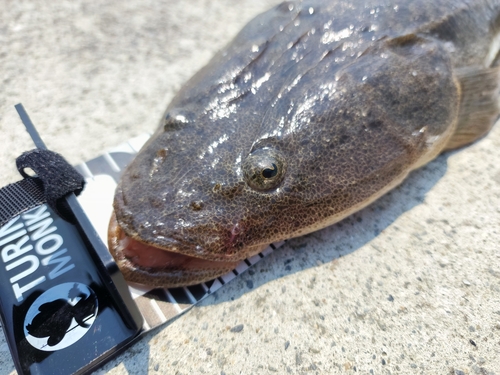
313,111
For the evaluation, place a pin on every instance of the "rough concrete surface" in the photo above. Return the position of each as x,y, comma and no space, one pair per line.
409,285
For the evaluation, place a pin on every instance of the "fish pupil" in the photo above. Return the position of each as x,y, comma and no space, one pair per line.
270,173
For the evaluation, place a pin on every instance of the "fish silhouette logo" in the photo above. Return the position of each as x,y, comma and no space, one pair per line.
60,316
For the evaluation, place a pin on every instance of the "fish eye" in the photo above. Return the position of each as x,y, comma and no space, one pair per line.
264,169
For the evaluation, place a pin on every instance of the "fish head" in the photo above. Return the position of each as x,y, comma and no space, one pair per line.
236,164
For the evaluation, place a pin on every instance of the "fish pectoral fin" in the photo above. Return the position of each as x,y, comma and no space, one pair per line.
479,105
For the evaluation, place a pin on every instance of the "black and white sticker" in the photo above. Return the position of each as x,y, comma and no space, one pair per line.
60,316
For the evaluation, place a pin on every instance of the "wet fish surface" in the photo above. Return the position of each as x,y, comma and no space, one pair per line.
312,112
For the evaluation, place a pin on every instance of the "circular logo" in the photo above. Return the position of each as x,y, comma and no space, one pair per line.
60,316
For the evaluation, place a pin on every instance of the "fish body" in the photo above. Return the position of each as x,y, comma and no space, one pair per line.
312,112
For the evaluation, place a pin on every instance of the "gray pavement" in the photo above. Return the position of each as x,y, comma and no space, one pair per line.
409,285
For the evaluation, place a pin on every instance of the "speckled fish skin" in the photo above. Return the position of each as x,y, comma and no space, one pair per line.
336,101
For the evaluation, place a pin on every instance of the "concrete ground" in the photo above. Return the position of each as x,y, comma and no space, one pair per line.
409,285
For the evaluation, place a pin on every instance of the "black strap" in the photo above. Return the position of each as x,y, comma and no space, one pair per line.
57,176
20,197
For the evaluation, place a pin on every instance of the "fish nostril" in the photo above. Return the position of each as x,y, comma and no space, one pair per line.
157,202
158,161
196,205
161,154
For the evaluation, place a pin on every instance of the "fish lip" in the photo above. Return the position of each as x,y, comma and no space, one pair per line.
160,275
124,220
223,250
174,246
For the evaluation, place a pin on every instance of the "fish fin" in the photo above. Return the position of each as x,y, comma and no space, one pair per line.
479,107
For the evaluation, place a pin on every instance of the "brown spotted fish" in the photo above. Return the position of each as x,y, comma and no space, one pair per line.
313,111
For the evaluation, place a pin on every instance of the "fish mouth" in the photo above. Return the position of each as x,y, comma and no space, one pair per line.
146,264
